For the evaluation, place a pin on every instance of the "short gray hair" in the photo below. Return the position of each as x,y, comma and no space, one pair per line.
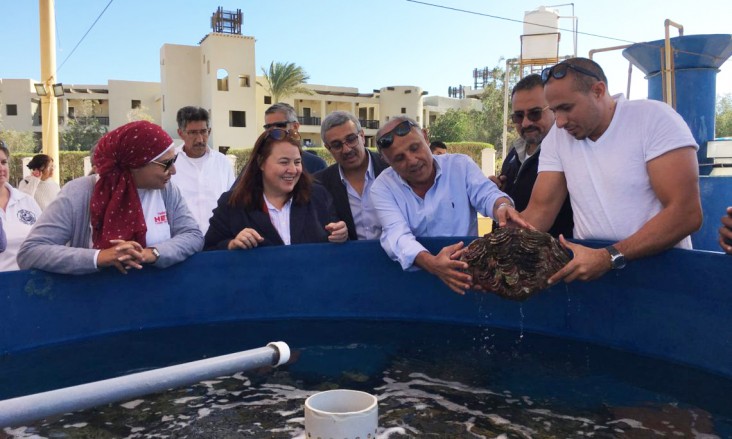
191,114
336,119
282,107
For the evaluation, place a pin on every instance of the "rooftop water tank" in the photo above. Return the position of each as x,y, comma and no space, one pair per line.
540,39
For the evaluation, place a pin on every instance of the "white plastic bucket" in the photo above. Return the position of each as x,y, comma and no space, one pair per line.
341,414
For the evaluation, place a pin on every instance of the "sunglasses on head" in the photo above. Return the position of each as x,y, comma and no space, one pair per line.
282,125
280,134
559,71
533,115
167,163
401,130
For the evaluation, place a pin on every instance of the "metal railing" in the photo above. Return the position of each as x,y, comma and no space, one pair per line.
308,120
368,123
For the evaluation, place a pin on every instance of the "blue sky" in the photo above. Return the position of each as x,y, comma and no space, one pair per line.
354,43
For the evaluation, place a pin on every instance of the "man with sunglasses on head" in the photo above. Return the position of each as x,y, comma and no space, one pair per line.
349,180
424,195
282,115
630,168
533,120
202,173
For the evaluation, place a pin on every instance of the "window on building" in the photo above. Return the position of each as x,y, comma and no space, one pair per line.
238,119
222,80
11,109
268,100
404,110
244,81
136,103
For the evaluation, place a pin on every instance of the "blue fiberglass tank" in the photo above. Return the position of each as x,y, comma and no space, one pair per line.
696,61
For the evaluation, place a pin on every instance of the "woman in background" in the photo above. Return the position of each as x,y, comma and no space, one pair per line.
127,215
18,213
274,202
39,184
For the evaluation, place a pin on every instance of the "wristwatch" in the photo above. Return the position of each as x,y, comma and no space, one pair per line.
155,253
617,259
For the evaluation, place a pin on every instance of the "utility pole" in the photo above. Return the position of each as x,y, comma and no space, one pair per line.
49,106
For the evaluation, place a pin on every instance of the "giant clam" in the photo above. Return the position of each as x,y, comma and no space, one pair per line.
514,262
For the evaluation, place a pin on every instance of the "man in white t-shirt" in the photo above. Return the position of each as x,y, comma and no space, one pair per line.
630,169
202,174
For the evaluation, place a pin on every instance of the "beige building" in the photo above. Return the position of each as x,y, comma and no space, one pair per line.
220,75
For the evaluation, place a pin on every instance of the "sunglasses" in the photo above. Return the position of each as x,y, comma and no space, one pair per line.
351,140
281,134
166,164
282,125
533,115
559,71
400,130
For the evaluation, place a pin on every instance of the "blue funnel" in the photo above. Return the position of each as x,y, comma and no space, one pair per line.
696,60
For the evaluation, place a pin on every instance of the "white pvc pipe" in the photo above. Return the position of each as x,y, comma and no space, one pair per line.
16,411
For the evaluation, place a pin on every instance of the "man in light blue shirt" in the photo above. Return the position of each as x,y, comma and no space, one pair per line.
426,195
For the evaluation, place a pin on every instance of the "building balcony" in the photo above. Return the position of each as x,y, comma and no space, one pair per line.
308,120
369,124
38,121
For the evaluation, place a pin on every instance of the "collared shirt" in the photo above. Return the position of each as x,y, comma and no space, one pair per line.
280,219
362,207
18,218
449,208
201,182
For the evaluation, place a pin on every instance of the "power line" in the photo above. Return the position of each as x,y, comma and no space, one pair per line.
87,33
520,21
558,28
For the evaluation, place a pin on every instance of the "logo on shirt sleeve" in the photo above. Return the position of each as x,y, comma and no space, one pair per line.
27,217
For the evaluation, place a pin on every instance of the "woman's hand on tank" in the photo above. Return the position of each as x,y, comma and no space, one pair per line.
338,232
123,256
247,238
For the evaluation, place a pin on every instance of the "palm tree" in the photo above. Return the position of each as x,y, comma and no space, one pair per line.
285,79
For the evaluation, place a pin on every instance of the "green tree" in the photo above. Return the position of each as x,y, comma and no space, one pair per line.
284,80
20,141
84,131
453,126
139,113
723,121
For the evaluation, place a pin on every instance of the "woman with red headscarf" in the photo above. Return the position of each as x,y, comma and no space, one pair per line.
127,215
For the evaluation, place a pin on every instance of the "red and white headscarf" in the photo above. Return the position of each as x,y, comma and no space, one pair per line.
116,211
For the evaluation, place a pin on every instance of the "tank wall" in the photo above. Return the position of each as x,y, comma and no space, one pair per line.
651,307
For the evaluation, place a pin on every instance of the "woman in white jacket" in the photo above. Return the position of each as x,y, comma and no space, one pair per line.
39,184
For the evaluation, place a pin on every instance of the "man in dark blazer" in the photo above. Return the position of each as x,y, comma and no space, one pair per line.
349,180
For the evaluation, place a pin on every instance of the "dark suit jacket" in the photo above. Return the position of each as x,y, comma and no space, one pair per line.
307,222
312,163
331,179
519,184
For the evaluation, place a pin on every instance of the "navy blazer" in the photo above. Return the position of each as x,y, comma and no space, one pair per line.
331,179
307,222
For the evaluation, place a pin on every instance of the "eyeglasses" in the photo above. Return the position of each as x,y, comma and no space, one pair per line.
400,130
559,71
203,133
533,115
166,164
280,134
282,125
351,140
